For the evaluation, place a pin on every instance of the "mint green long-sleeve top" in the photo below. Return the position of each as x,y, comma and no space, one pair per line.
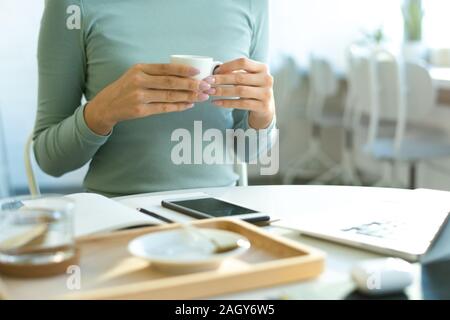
84,45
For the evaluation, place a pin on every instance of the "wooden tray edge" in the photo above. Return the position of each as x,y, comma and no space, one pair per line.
314,259
216,285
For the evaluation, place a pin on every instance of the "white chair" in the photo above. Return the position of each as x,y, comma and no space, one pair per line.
288,87
241,171
287,82
5,188
402,87
346,172
33,185
323,85
362,111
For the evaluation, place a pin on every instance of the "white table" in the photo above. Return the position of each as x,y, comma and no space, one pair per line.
301,202
441,77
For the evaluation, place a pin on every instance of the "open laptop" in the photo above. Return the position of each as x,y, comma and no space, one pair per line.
405,228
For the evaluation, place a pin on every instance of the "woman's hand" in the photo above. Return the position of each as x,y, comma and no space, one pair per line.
252,83
145,90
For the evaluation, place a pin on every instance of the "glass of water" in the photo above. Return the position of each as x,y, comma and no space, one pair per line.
36,230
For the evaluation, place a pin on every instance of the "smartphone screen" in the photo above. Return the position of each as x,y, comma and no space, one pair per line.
214,207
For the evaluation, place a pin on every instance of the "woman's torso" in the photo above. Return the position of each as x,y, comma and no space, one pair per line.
117,34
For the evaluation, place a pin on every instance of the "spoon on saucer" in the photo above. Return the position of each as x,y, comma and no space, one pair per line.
219,247
196,232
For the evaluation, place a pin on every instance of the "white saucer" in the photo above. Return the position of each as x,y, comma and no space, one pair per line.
177,251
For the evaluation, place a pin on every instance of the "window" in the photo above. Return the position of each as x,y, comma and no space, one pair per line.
436,23
327,27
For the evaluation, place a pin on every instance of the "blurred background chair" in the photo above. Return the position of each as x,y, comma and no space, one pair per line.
33,185
287,77
5,188
362,122
346,172
323,84
241,171
289,90
401,87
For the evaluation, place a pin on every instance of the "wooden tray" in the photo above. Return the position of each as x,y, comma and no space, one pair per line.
108,271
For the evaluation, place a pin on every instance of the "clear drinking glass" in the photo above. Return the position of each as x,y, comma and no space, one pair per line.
36,230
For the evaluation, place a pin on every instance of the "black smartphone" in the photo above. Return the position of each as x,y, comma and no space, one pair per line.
209,207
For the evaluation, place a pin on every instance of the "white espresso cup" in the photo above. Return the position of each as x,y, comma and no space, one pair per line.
206,65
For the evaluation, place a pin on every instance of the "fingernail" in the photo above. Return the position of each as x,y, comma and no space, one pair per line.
204,86
218,103
190,106
210,80
203,97
211,91
193,71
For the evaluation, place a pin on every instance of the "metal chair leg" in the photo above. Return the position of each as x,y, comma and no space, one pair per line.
413,175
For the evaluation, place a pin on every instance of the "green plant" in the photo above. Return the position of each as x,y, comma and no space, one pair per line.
376,36
412,19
